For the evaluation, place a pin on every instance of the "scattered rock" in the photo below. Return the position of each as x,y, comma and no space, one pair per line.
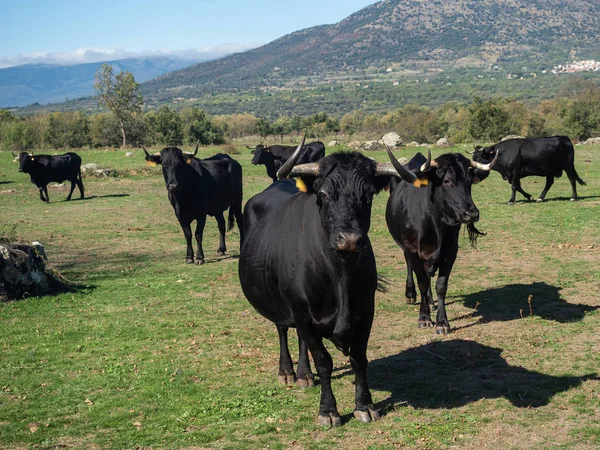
23,272
129,154
592,141
333,143
371,145
391,139
8,191
59,185
511,136
443,142
94,170
355,144
413,144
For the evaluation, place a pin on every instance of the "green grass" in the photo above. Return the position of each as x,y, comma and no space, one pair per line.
151,352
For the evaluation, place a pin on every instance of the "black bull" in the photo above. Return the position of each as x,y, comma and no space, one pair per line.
43,169
307,263
201,187
426,222
274,156
544,157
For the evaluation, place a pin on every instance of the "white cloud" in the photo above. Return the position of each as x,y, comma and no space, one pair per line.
89,55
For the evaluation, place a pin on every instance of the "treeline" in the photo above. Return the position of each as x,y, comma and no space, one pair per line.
575,113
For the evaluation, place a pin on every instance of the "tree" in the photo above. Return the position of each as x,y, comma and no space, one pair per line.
120,94
199,127
167,126
263,128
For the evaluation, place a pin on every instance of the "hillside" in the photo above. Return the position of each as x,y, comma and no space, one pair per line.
46,83
402,35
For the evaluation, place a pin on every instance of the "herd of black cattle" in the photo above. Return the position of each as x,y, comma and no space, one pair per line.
306,261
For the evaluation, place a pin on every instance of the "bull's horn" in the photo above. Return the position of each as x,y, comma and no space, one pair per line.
469,153
13,153
396,169
284,171
485,167
429,163
305,169
250,148
196,151
144,148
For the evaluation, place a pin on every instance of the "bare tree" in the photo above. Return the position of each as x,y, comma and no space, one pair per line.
120,94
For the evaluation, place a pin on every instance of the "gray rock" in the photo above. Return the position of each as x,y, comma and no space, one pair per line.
443,142
371,145
129,154
391,140
333,143
94,170
592,141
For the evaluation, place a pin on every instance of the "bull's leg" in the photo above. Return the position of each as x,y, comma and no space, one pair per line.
410,292
80,185
328,413
450,250
221,223
187,232
305,377
364,410
424,281
73,184
516,186
200,222
549,183
286,368
573,177
41,189
46,194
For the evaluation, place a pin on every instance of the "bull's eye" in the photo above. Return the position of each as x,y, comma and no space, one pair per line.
323,195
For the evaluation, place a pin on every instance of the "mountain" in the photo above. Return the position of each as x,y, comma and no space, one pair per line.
400,36
46,83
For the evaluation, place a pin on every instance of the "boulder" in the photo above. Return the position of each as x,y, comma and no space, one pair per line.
23,272
591,141
413,144
94,170
443,142
391,140
129,154
512,136
355,144
371,145
333,143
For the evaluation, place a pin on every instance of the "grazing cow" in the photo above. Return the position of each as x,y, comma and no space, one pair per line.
543,157
201,187
274,156
426,222
307,263
43,169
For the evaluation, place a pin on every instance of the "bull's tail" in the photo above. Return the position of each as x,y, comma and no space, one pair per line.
231,218
579,180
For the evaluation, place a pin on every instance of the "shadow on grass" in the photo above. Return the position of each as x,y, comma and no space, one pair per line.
555,199
6,182
116,265
451,374
506,302
93,197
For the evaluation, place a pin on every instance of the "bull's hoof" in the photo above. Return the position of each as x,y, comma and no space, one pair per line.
287,379
306,381
220,253
530,198
411,300
572,199
329,420
189,260
425,324
510,203
199,261
442,330
540,200
367,416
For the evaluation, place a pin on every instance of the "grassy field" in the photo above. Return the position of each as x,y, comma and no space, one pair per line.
151,352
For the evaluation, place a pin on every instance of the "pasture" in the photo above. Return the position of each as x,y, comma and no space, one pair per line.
151,352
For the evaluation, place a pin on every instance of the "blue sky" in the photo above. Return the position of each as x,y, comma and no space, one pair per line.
69,27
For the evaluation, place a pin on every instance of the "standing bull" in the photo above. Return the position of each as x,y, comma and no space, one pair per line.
543,157
43,169
274,156
201,187
426,222
307,263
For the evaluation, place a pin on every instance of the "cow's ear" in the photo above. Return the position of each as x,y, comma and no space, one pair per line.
153,160
381,182
305,184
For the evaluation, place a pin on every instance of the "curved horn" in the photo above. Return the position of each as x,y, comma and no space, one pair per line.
250,148
469,153
32,152
397,169
287,167
196,151
144,148
305,169
485,167
429,163
13,153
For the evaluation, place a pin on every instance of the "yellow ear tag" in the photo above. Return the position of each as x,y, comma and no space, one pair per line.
151,163
301,185
189,160
421,182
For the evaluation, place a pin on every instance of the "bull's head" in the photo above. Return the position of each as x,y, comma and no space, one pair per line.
174,164
26,161
449,178
261,153
343,185
483,155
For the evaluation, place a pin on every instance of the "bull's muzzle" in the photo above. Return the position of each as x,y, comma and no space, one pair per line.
349,242
172,187
469,215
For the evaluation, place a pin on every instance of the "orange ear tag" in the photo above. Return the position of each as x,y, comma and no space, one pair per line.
151,163
421,182
189,160
301,185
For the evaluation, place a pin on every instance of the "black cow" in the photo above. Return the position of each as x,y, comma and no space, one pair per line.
201,187
43,169
307,263
274,156
426,222
543,157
